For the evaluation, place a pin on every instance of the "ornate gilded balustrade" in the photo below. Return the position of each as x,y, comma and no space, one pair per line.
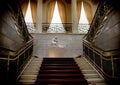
98,21
101,45
57,27
31,27
83,28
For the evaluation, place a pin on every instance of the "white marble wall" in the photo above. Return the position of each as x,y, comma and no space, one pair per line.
71,42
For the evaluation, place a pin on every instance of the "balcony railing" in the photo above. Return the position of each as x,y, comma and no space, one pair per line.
83,28
59,28
31,27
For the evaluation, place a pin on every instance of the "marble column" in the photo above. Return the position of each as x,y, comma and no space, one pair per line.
39,17
74,17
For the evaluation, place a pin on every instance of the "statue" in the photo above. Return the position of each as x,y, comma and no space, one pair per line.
54,42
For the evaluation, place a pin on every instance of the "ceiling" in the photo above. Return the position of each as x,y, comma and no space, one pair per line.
68,1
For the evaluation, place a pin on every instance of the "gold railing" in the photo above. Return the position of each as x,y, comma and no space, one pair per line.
12,63
106,62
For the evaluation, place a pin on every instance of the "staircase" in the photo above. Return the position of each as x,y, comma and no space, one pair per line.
91,74
58,72
30,72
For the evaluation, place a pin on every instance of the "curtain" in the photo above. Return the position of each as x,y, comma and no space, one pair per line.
79,4
24,5
50,11
33,4
88,11
62,11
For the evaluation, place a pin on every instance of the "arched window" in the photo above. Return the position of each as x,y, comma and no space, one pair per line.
83,25
28,18
56,25
83,18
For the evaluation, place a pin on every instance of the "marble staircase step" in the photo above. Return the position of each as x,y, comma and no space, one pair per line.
91,75
88,71
28,72
28,77
95,80
26,82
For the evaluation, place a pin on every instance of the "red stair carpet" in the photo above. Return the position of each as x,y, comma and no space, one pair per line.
60,71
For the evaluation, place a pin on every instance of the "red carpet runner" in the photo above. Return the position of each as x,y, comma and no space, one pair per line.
60,71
